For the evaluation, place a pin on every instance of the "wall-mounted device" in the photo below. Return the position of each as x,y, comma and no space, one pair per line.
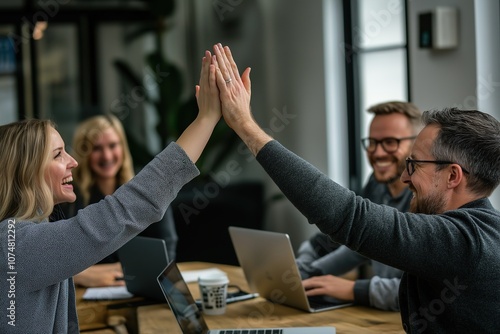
438,28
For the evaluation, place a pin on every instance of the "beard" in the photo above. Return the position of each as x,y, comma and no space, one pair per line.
392,179
430,205
395,177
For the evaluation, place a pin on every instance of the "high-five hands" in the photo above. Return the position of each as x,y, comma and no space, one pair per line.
234,95
235,91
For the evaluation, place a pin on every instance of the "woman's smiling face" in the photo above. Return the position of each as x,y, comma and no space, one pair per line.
58,173
106,157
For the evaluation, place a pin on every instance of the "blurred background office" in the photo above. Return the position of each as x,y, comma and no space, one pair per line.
316,66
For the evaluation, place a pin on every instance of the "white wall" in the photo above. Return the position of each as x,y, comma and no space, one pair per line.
468,76
295,70
487,16
443,78
282,40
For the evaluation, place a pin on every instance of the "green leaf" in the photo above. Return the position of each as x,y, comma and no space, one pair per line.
169,81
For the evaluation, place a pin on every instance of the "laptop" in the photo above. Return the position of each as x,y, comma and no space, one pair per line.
190,317
142,259
268,261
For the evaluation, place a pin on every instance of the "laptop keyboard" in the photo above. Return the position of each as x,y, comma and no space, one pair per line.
252,331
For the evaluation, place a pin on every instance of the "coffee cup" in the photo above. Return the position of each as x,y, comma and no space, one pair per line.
213,290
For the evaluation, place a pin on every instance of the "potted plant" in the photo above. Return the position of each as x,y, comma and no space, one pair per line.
204,208
174,113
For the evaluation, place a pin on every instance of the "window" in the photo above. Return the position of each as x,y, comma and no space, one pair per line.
8,81
58,84
377,69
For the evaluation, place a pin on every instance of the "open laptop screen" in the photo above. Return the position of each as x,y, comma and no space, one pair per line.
190,318
142,259
181,301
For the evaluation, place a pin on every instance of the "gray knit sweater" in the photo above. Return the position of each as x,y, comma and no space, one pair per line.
451,261
37,260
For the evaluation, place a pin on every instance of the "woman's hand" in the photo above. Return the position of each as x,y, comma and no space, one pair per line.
195,137
207,93
101,275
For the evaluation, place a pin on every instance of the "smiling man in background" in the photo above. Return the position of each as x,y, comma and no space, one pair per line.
392,130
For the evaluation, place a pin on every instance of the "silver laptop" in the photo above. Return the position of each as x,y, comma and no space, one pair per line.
268,261
142,259
190,318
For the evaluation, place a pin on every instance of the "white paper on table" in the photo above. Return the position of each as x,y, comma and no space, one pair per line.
192,275
107,293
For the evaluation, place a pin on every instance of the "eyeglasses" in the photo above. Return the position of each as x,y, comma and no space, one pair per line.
410,164
390,145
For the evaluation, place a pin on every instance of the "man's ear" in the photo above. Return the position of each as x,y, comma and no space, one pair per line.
456,176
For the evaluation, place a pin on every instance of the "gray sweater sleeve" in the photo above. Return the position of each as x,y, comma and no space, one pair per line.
379,291
47,253
384,293
373,292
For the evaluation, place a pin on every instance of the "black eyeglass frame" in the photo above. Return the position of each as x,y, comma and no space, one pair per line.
409,161
365,142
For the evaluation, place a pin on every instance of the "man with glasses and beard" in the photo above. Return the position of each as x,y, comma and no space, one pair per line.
448,246
392,131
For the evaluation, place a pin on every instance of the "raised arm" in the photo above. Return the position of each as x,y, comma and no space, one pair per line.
197,134
235,92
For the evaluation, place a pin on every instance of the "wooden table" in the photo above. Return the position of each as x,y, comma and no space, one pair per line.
259,312
97,315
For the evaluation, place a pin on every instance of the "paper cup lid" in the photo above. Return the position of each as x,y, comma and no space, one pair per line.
213,279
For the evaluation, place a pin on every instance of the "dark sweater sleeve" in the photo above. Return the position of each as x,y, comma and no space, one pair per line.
309,190
361,292
297,178
402,240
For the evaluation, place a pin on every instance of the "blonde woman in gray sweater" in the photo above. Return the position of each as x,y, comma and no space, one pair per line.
38,258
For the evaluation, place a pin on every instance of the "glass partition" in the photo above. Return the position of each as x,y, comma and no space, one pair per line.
380,59
59,77
8,80
379,23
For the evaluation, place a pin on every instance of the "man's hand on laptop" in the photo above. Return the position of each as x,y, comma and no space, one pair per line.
329,285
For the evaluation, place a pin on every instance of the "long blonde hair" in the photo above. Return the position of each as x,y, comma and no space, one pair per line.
83,142
24,156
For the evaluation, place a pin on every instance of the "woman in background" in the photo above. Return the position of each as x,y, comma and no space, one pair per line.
104,164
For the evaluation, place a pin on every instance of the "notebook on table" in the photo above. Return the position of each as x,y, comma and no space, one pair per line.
142,259
190,317
268,261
